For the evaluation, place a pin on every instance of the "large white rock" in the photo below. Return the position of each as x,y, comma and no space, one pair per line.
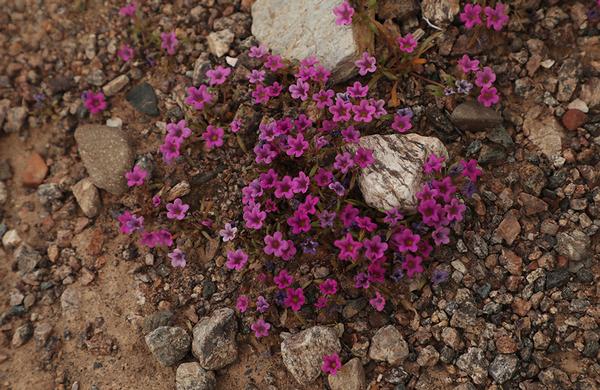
397,174
301,28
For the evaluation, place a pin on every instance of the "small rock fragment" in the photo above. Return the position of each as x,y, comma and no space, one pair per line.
503,367
474,363
472,116
573,245
22,335
440,12
15,119
11,239
214,342
143,98
389,345
35,171
115,85
168,344
190,376
350,377
27,258
219,42
87,197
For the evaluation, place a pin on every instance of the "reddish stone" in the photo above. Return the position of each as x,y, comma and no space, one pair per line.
506,344
574,118
35,171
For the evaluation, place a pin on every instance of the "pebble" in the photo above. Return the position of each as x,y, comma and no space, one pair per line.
156,320
22,335
27,259
531,205
545,132
474,363
214,343
87,197
388,345
115,85
15,119
42,331
428,356
219,42
574,245
558,278
168,344
503,368
191,376
472,116
35,171
350,377
11,239
509,229
573,119
143,98
440,12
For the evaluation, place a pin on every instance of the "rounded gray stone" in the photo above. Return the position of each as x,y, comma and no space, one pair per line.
168,344
190,376
214,342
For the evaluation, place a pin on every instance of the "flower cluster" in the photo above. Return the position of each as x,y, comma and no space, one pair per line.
482,77
495,18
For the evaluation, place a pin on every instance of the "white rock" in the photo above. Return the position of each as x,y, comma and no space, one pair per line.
578,104
299,29
87,197
440,12
115,85
397,174
219,42
114,122
11,239
231,61
544,132
388,345
3,193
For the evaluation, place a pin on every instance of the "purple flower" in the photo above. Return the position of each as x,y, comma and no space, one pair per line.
213,137
470,170
236,259
343,162
261,304
378,302
405,240
348,247
257,51
273,63
299,90
361,280
228,232
407,44
294,298
328,287
341,110
296,146
218,75
463,86
323,98
94,102
170,148
364,157
254,217
374,248
439,276
260,328
401,123
326,218
256,76
357,90
467,65
496,17
242,303
169,42
156,201
485,77
136,176
454,210
393,216
275,244
363,112
309,247
283,279
366,64
177,258
412,265
471,16
179,130
488,96
125,52
338,188
128,10
130,223
343,14
177,210
198,97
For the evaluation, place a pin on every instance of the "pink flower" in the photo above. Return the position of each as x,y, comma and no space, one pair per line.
351,135
412,265
94,102
177,209
433,164
402,123
169,42
294,298
485,77
148,239
331,364
323,177
366,64
257,51
393,216
156,201
343,14
256,76
496,17
260,328
265,153
374,248
283,188
283,279
273,63
323,98
357,90
341,110
378,302
228,232
454,210
470,169
299,90
125,52
441,235
328,287
128,10
405,240
218,75
213,137
363,112
236,259
275,244
130,223
261,304
261,94
361,280
320,75
177,258
348,215
348,247
471,16
343,162
321,302
468,65
254,217
198,97
300,184
170,148
242,303
179,130
299,222
163,238
136,176
430,211
488,96
296,146
407,44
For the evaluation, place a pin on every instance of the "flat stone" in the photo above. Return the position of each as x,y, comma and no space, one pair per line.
512,262
115,85
191,376
397,174
219,42
168,344
214,342
557,278
388,345
472,116
350,377
27,258
474,363
531,205
35,171
87,197
545,133
143,98
440,12
573,119
155,320
503,368
574,245
106,155
22,335
15,119
302,353
300,29
509,229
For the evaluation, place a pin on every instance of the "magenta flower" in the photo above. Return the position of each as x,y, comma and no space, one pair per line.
471,16
485,77
393,217
331,364
348,215
321,302
343,162
320,75
94,102
228,232
273,63
328,287
323,177
351,135
213,137
261,304
236,259
130,223
366,223
125,52
299,90
348,247
242,303
366,64
407,44
283,188
326,218
179,130
412,265
378,302
468,65
338,188
361,280
343,14
169,42
256,76
290,252
405,240
296,146
445,188
268,179
128,10
496,17
261,94
254,217
430,211
198,97
235,125
177,209
341,110
148,239
454,210
258,51
357,90
283,279
433,164
275,244
441,235
323,98
374,248
218,75
299,222
363,112
136,176
488,96
265,153
294,298
300,184
260,328
470,169
177,258
170,148
402,123
156,201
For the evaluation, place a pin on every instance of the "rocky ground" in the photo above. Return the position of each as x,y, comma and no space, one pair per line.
84,307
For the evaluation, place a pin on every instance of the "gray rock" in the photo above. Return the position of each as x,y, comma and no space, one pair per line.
219,42
155,320
299,29
190,376
428,357
70,300
143,98
201,66
474,363
573,245
440,12
388,345
303,352
27,258
503,367
115,85
87,197
168,344
15,119
397,174
49,194
214,342
42,331
22,335
472,116
557,278
350,377
106,155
